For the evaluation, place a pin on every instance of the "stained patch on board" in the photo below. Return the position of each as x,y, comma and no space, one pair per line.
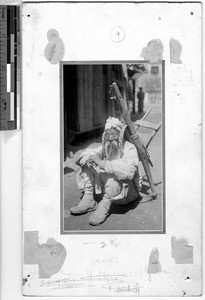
175,51
49,257
154,51
154,263
181,251
54,51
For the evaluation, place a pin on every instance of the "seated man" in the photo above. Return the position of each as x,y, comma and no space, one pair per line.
115,176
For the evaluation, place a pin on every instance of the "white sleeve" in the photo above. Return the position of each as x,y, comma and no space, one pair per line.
85,154
90,151
124,168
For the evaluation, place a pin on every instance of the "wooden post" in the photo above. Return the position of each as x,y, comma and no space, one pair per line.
141,149
133,100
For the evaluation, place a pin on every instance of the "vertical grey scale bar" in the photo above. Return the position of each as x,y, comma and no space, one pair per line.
12,77
8,34
9,79
9,67
8,107
9,21
12,48
12,117
12,106
3,63
11,25
15,65
18,75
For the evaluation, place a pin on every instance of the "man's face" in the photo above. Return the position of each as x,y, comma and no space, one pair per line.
112,143
111,134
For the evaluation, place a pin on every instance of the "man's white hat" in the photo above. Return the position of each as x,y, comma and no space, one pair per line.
113,123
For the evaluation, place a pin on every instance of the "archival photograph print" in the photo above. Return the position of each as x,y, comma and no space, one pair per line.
113,141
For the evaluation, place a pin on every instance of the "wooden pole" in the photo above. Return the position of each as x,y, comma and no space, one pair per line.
141,149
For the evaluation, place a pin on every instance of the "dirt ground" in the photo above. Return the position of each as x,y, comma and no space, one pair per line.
142,215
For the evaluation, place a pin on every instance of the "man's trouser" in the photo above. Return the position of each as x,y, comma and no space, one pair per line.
118,192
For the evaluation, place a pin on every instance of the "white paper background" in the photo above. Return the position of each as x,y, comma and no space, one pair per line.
89,39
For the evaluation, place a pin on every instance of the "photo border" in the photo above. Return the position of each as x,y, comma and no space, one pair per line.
76,232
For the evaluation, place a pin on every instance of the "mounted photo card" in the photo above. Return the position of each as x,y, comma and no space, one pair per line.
111,127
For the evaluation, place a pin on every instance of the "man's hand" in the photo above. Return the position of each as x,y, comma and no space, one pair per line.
84,160
97,160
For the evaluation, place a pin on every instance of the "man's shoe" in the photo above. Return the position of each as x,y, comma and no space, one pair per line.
101,213
85,205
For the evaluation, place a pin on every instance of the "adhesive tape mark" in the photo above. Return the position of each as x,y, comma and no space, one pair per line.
54,51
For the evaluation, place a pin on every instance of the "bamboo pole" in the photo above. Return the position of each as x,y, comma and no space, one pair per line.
141,149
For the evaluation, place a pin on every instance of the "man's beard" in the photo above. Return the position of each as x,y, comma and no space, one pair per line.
112,150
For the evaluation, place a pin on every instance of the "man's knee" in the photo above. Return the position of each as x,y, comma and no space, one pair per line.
111,185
